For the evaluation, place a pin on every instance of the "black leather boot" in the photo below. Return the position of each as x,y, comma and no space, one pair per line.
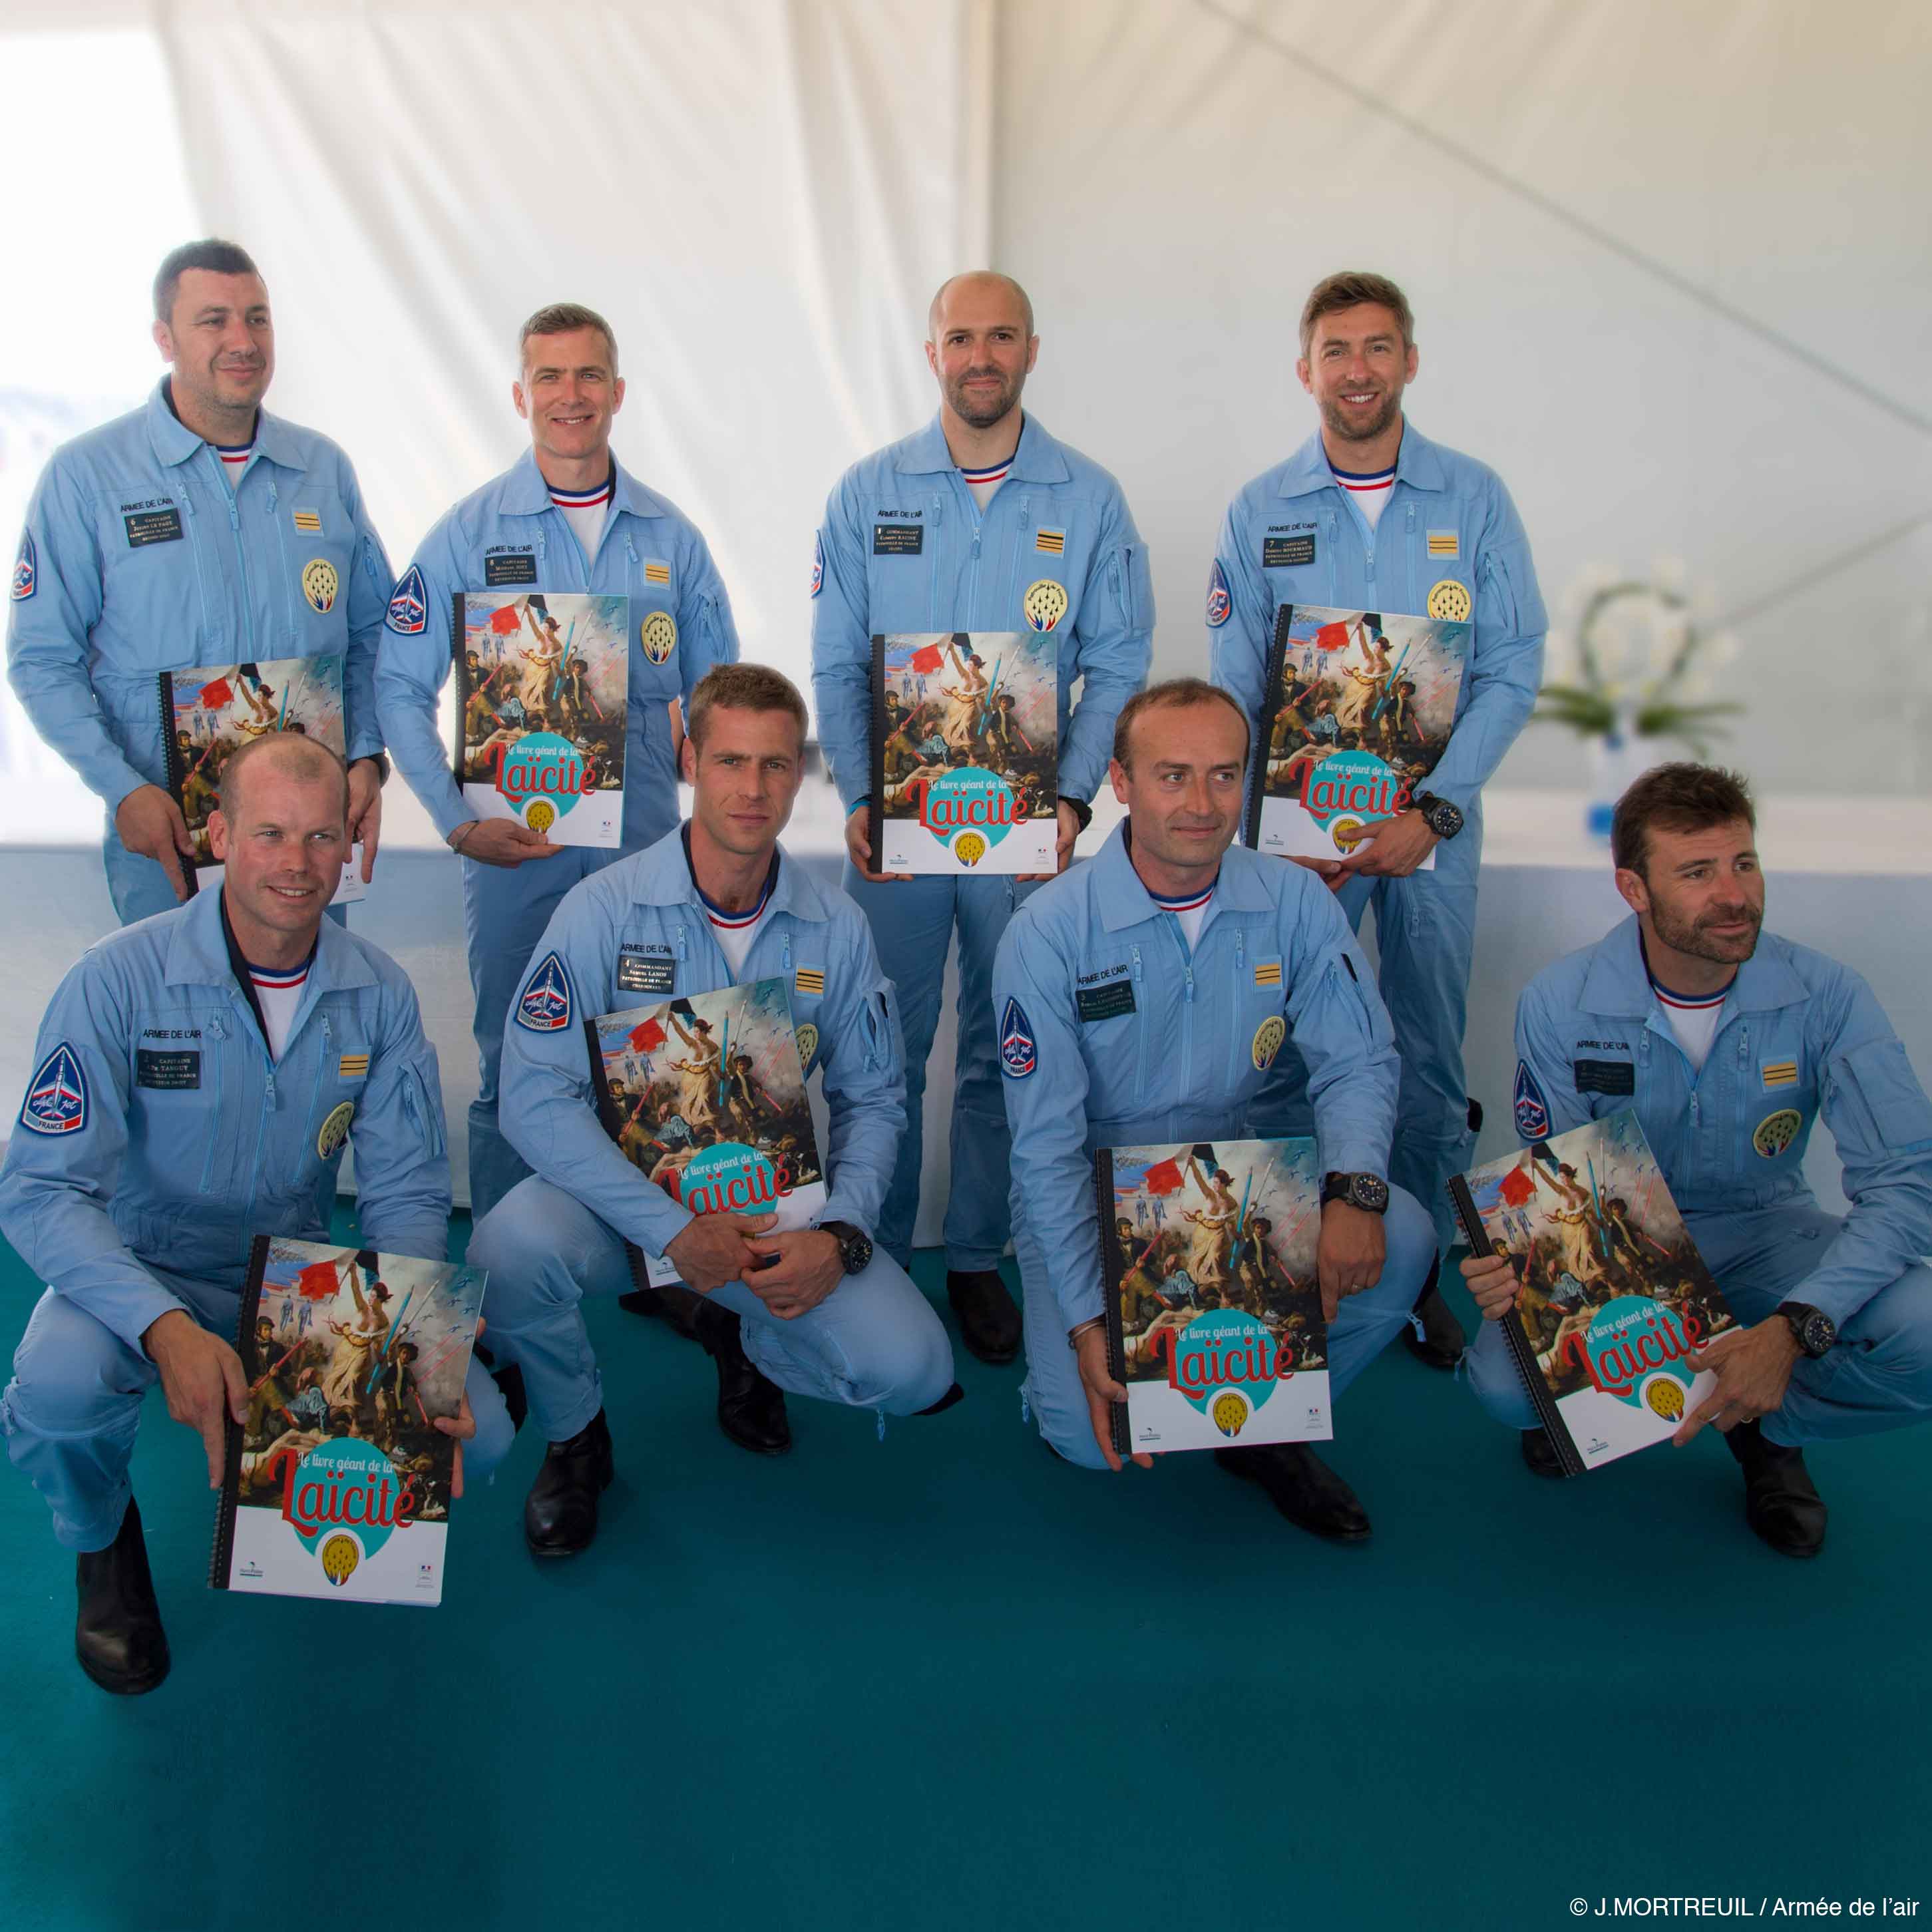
117,1634
673,1304
1539,1454
1781,1502
751,1408
560,1512
1440,1344
989,1323
1303,1487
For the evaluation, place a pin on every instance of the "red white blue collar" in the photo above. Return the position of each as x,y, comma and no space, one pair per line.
996,474
585,499
234,455
1360,480
1188,902
1690,1003
279,978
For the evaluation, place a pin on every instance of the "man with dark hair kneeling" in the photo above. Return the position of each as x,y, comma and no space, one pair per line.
193,1073
1730,1043
1206,948
716,904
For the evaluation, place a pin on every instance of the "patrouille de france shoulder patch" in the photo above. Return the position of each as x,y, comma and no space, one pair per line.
544,1004
25,567
409,608
56,1101
1532,1110
1017,1056
1219,604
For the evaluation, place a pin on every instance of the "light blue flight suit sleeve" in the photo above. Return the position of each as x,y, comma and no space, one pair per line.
402,1149
1114,636
57,601
371,583
1505,670
1882,1124
1237,646
56,1190
548,1109
841,645
413,661
863,1078
707,633
1046,1110
1543,1052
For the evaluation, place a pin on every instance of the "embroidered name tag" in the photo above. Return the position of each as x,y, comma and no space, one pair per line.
1107,1002
1603,1076
645,972
1286,553
169,1071
153,526
510,567
897,539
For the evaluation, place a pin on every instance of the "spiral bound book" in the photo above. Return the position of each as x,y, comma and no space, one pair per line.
966,750
1214,1322
705,1096
1355,713
209,712
338,1483
1615,1298
542,679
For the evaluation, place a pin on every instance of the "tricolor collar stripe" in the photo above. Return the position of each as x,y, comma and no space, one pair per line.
1362,476
993,475
736,921
1188,902
1686,1003
585,499
279,979
721,915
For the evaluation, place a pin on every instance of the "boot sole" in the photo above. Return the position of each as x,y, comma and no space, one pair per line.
1340,1537
124,1687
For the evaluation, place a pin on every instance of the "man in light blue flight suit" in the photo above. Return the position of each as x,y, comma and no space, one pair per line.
1369,515
1141,999
177,1111
565,517
980,522
716,904
1730,1043
198,530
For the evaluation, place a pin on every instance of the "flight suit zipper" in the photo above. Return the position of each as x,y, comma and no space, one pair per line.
217,1031
249,652
292,576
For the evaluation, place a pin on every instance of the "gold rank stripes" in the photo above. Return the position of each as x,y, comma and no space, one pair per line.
308,520
657,573
1053,542
1779,1073
1267,972
810,979
354,1065
1442,543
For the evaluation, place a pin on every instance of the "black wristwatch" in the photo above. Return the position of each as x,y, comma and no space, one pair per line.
855,1249
1080,809
1440,816
1368,1192
1811,1328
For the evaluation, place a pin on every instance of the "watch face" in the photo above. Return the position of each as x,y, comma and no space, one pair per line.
1819,1333
1369,1192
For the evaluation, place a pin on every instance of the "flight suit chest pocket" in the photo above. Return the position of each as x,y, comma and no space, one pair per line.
184,1089
902,541
1110,1004
1260,1008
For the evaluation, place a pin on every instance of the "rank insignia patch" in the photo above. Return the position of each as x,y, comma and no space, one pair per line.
1053,542
1268,972
1017,1057
1442,543
309,520
409,608
23,568
1219,604
1776,1131
544,1004
656,571
319,584
1532,1110
353,1066
1780,1072
56,1101
810,979
817,565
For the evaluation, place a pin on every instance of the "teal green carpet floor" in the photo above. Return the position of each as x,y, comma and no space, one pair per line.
947,1681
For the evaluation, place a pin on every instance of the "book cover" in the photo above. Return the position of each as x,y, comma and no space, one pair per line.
542,678
1615,1296
1357,712
965,751
337,1485
1214,1315
705,1096
209,712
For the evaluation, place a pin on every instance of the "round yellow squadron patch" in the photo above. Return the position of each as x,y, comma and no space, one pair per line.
808,1045
319,584
1347,834
340,1557
1776,1131
1230,1412
658,636
1267,1042
540,815
1665,1398
970,848
1045,603
1449,602
335,1130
